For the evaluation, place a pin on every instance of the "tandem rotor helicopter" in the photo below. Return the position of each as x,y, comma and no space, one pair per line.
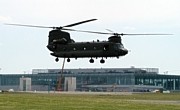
62,46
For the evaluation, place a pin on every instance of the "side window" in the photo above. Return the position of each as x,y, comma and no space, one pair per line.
74,49
64,49
106,47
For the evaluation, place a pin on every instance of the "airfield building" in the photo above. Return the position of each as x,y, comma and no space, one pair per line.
103,79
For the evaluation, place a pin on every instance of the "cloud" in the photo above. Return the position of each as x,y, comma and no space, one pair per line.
64,11
5,18
129,28
1,44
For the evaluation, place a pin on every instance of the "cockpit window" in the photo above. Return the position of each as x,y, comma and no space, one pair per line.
121,46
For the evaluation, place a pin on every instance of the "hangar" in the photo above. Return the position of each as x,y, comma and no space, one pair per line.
93,79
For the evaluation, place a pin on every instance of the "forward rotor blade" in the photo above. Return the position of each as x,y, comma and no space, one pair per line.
74,24
30,25
87,31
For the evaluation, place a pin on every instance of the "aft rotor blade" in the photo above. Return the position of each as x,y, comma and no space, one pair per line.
74,24
110,30
139,34
30,25
95,32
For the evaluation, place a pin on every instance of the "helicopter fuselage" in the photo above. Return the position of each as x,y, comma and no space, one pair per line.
62,46
88,49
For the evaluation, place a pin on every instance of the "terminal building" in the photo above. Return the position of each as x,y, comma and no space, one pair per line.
91,79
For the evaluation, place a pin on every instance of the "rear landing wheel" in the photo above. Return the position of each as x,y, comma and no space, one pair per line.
68,60
91,60
57,59
102,61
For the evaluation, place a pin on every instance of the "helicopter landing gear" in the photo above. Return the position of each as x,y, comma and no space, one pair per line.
57,59
102,61
68,60
91,60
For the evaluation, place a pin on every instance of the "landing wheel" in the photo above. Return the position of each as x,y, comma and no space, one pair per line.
68,60
91,60
57,59
102,61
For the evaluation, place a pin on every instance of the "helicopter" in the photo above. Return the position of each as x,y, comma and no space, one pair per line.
62,46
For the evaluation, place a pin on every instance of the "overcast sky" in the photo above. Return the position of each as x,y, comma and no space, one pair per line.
23,49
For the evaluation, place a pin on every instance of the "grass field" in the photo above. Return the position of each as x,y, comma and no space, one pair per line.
36,101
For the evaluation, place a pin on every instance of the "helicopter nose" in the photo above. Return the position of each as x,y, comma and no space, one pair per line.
124,51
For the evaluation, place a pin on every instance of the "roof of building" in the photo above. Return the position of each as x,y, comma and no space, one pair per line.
99,70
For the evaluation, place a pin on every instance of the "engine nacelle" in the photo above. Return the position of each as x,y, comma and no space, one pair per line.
115,39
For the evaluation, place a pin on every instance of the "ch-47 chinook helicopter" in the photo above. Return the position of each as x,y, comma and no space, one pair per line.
62,46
